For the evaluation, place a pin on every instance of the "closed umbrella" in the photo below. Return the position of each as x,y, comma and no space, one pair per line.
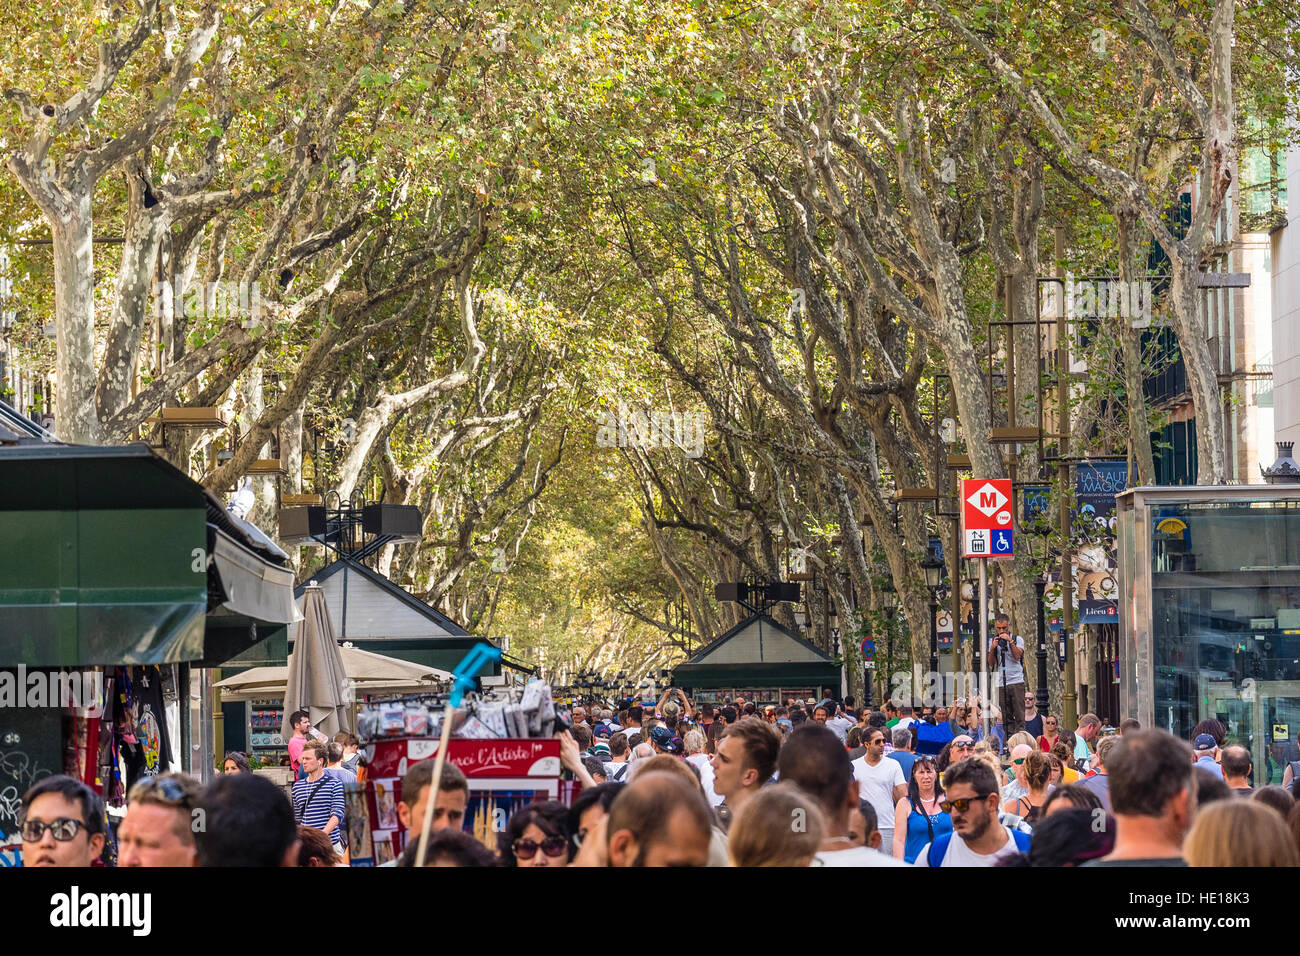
318,682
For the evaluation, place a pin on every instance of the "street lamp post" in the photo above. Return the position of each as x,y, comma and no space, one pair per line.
1039,587
933,569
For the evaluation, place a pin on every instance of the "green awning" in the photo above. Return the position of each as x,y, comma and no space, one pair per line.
108,560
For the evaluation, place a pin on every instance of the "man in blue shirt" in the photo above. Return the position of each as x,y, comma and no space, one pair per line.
902,752
1207,754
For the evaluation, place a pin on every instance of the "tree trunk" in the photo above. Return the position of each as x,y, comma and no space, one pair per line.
74,291
1202,376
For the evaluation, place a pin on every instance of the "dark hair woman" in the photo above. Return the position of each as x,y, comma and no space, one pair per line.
537,835
920,808
235,762
1071,837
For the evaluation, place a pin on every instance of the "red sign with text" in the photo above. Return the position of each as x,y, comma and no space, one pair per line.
512,757
986,506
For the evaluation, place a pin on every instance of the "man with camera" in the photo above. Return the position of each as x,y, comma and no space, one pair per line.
1007,653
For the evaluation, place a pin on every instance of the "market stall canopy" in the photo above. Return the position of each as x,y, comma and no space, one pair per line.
760,652
317,681
113,556
366,672
378,615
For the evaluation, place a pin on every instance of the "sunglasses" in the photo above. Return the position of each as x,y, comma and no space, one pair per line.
1018,761
963,804
1051,723
551,846
62,829
171,790
962,746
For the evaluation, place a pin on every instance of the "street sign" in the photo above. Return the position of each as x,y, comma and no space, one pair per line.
868,648
986,517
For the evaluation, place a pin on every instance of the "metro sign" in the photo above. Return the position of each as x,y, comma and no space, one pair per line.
986,517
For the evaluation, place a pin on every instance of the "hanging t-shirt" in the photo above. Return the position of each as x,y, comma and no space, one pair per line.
151,723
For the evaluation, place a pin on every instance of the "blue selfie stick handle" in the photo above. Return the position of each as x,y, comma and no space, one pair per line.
467,670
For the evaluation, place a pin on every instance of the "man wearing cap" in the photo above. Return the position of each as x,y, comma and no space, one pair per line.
1206,753
665,741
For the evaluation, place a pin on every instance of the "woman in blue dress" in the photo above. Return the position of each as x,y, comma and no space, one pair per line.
920,808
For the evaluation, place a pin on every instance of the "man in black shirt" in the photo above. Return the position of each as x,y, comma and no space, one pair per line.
1033,719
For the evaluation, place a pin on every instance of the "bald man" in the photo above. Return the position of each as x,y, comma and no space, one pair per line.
658,820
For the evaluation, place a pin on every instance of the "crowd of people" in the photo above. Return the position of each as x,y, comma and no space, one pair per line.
807,783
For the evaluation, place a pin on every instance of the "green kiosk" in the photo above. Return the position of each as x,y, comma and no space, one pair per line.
761,661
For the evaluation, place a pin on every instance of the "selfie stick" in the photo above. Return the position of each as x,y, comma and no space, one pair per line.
464,674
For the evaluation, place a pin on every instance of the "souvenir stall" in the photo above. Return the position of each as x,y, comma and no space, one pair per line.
101,648
504,745
760,661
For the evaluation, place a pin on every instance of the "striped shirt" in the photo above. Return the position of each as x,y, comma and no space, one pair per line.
327,803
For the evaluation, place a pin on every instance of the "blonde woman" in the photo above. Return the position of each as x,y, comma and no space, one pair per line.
1037,769
779,826
1021,737
1239,833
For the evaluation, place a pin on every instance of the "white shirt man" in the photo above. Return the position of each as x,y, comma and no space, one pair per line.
977,838
880,783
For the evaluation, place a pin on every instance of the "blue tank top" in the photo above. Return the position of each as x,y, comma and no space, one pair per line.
918,832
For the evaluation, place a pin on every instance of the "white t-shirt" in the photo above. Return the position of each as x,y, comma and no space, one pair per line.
705,767
855,856
959,854
840,726
1015,668
876,784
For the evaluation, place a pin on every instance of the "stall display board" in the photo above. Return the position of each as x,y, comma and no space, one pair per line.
31,748
504,775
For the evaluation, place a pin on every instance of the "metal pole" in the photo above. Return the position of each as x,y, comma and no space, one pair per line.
983,688
934,636
1069,712
1039,587
207,746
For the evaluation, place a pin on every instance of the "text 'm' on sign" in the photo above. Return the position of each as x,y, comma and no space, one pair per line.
986,518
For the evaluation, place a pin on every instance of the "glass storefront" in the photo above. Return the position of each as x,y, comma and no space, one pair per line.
1210,582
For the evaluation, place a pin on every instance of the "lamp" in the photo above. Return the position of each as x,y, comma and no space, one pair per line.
888,597
933,570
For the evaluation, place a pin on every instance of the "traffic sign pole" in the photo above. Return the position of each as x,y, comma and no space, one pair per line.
984,646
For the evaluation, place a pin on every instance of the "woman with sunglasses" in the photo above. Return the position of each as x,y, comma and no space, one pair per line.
920,808
537,835
1050,734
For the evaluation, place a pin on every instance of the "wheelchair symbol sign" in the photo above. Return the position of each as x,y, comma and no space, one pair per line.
1003,543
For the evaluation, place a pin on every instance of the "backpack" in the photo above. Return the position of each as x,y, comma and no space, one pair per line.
939,848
